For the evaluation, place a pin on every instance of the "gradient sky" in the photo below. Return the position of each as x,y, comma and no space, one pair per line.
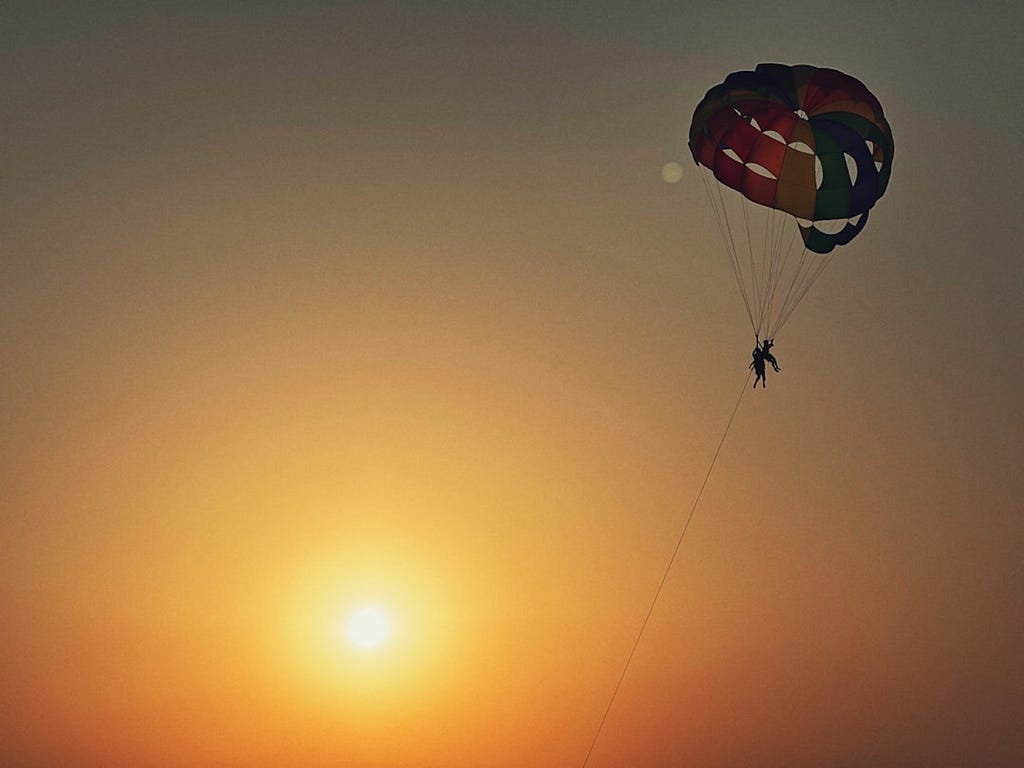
306,305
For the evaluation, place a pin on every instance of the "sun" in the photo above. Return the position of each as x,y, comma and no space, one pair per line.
368,627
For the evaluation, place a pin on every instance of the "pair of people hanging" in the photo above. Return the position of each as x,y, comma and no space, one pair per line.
762,355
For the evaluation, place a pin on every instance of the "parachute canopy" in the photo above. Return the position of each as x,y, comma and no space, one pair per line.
806,140
803,142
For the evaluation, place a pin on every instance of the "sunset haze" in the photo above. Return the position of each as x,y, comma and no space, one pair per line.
308,307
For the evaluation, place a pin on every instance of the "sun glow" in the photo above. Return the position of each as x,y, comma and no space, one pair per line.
368,627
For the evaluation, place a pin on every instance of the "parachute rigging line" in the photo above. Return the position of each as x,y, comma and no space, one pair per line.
785,313
664,576
761,245
722,219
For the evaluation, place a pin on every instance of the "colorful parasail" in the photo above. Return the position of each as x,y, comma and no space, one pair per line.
806,143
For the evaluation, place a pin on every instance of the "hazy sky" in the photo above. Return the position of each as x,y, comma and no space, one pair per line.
311,305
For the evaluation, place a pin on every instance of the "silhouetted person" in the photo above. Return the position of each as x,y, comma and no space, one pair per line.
766,351
758,365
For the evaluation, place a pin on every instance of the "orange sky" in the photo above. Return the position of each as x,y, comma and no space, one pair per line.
304,309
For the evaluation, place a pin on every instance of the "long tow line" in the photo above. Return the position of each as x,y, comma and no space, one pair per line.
664,577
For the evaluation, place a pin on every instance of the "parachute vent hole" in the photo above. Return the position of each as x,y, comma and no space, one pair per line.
819,172
760,170
799,146
851,168
776,136
731,154
801,113
831,226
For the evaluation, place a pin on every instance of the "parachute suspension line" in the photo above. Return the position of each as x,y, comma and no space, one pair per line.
792,289
664,576
767,268
772,279
745,288
774,237
722,218
822,265
772,248
723,230
764,269
755,283
783,254
732,250
782,262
